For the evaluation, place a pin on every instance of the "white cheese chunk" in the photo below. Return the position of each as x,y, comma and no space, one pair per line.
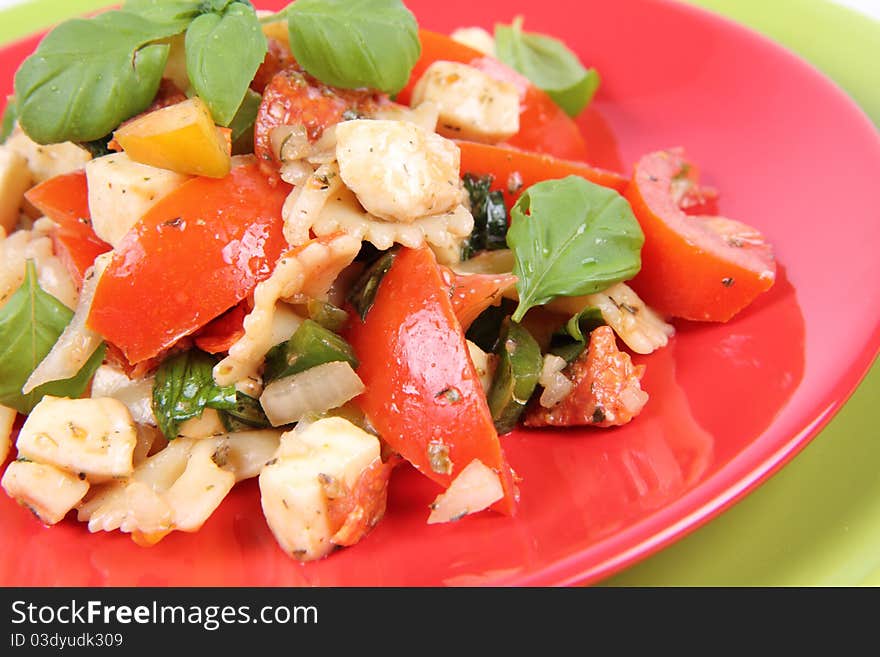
47,161
329,452
15,179
95,437
398,170
472,105
47,491
121,191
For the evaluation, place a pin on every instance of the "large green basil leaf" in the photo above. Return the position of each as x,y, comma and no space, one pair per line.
89,75
30,324
549,64
355,43
223,52
178,13
184,388
571,237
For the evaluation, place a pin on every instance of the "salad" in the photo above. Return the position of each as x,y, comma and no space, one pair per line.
346,246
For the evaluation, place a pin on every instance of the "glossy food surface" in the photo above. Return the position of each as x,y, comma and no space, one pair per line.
729,403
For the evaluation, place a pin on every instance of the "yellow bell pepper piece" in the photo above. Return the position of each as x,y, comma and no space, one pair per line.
181,137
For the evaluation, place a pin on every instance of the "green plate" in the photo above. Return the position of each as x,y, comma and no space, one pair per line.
816,522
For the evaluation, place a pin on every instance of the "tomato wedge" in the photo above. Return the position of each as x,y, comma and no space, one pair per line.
544,127
704,268
471,294
224,331
422,392
65,200
292,97
195,254
514,170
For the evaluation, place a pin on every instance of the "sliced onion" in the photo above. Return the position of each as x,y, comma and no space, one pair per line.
475,488
136,394
314,391
244,453
556,386
289,142
77,343
488,262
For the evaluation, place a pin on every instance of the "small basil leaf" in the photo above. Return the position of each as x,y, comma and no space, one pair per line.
363,292
30,323
89,75
223,52
490,216
98,147
10,115
549,64
178,13
311,345
184,388
246,415
571,340
571,237
355,43
516,375
486,329
242,124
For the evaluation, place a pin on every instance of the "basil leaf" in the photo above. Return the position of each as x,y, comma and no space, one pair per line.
485,330
311,345
184,388
10,115
549,64
223,52
490,216
242,124
571,340
363,292
516,375
178,13
246,415
98,147
89,75
571,237
30,324
355,43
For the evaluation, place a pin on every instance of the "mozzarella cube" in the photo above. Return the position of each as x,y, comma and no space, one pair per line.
47,160
121,191
95,437
472,105
331,452
47,491
398,170
15,179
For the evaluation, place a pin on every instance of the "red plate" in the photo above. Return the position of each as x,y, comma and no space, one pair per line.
730,404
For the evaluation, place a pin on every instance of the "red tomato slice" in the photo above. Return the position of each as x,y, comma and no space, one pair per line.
224,331
294,98
422,391
607,388
360,509
471,294
514,170
694,267
278,57
544,127
65,200
195,254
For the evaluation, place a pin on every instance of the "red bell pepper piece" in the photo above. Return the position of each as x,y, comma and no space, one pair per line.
422,392
196,253
65,200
